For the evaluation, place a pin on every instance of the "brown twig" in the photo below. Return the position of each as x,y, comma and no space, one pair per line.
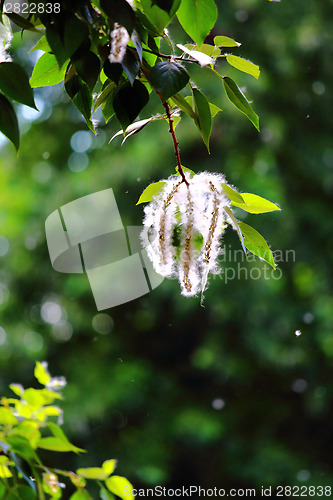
171,130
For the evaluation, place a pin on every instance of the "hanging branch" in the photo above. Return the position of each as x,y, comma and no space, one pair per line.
171,130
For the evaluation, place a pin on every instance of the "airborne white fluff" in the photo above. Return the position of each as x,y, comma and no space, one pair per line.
187,223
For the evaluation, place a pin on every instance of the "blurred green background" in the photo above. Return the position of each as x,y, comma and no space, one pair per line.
223,395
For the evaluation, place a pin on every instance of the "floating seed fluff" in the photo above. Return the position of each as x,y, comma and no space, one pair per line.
186,225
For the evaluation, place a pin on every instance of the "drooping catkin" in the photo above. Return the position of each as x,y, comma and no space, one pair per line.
188,223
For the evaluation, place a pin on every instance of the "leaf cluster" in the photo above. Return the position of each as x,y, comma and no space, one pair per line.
26,426
77,43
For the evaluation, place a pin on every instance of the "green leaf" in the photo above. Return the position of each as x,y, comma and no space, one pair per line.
22,447
105,494
46,72
120,486
88,68
81,96
256,244
209,50
109,466
232,194
168,78
203,113
107,107
18,389
170,6
104,95
152,190
56,444
185,169
21,22
2,490
156,16
225,41
21,492
129,101
183,104
119,11
7,417
4,469
42,373
131,66
80,495
197,17
243,65
42,44
113,71
65,44
238,99
8,121
59,433
255,204
96,473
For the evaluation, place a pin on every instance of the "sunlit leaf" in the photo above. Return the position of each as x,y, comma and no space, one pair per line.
46,72
225,41
243,65
255,204
120,486
238,99
42,44
42,373
232,194
256,244
151,191
156,16
197,17
109,466
7,417
93,473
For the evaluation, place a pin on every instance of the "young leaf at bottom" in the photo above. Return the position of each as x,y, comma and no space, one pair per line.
120,486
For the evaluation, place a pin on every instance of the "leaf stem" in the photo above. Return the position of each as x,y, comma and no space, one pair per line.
168,56
171,130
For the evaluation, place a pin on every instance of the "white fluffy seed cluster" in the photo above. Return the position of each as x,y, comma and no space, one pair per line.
183,227
5,40
119,41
